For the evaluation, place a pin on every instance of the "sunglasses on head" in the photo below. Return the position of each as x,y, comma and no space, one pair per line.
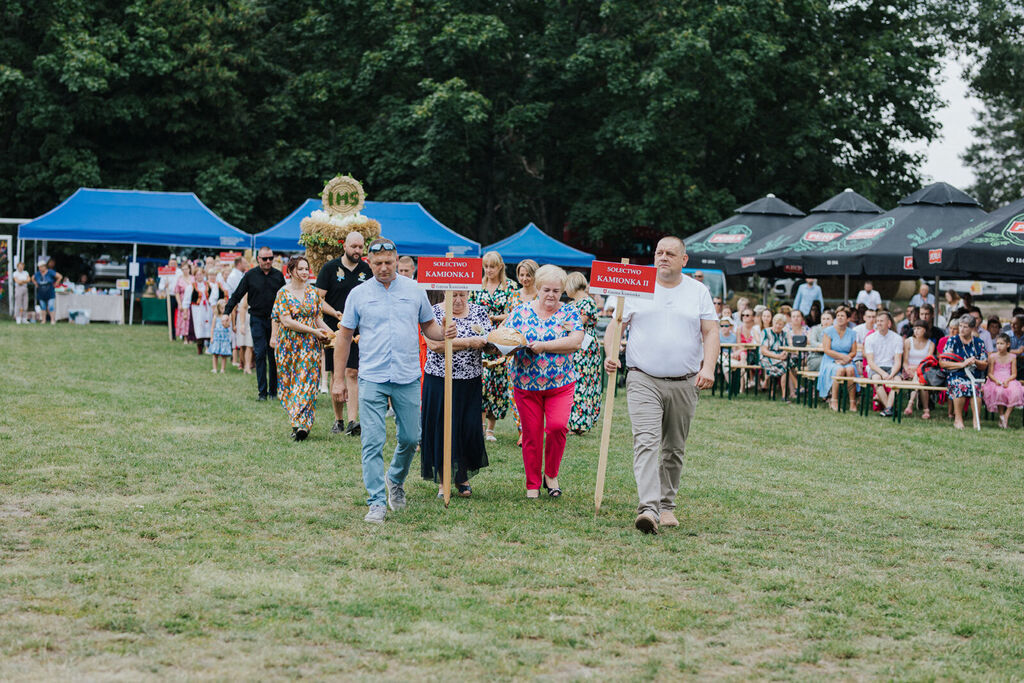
381,246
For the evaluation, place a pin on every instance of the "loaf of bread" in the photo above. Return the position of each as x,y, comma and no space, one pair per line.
506,336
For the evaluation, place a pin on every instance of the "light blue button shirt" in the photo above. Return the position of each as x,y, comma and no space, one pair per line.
388,320
806,295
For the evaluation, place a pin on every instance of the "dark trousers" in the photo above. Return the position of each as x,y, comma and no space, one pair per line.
263,355
174,318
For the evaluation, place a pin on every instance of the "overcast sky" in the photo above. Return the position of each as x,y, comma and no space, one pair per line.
943,160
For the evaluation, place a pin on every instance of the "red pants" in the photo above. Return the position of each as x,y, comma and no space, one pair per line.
545,418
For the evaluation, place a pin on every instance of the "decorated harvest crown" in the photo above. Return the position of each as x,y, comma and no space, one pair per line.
324,231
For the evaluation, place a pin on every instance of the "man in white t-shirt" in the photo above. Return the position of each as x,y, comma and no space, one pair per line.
671,354
869,297
862,331
883,351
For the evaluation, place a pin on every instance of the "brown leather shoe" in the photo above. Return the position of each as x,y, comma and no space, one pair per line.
668,518
646,523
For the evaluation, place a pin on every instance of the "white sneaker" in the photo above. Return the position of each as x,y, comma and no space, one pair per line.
376,514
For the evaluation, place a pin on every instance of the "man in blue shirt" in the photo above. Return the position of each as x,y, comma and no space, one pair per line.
922,297
389,310
45,281
806,294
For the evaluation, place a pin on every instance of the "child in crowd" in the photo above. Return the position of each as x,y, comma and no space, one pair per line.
220,341
1002,391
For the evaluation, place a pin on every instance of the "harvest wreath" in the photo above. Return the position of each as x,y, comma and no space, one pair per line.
324,231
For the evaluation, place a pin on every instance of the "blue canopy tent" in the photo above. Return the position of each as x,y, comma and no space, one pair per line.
135,217
408,224
533,243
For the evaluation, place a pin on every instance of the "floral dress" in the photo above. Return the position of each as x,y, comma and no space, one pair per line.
298,356
496,387
957,383
774,341
586,404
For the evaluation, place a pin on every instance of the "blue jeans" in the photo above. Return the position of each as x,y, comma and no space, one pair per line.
263,356
373,403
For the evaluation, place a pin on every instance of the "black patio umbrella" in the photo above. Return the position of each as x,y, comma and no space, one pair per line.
992,249
708,248
779,252
884,247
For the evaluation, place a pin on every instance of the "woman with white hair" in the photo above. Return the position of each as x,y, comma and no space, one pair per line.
544,377
774,361
586,403
962,352
498,296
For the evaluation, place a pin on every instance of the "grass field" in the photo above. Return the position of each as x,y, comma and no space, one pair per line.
156,522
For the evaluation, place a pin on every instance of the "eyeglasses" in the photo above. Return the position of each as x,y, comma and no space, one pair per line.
266,258
381,246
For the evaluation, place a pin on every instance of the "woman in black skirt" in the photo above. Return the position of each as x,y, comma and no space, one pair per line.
468,454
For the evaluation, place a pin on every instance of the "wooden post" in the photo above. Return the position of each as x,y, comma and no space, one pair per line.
609,406
170,318
447,474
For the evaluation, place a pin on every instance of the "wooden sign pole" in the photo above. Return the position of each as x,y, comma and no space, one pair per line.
170,319
609,406
447,398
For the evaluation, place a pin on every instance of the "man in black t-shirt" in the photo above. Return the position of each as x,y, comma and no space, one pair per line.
336,279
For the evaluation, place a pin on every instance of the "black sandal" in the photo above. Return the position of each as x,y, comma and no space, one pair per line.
464,490
554,493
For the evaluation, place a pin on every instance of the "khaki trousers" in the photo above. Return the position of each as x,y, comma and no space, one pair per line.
660,412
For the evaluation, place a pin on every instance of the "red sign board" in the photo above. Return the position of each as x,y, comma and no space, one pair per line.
908,263
462,273
728,238
793,268
167,270
934,256
622,279
747,261
229,256
819,236
1016,228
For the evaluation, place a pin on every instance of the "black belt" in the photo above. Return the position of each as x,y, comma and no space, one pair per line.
668,379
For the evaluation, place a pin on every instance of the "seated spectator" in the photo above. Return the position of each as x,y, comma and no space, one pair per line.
725,331
952,302
814,337
973,358
883,352
915,349
727,313
839,345
927,314
742,304
775,361
923,296
905,326
862,331
994,327
1017,310
763,316
814,317
979,328
1002,391
1017,341
869,297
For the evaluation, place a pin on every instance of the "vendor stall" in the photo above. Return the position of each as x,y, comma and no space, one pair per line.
101,307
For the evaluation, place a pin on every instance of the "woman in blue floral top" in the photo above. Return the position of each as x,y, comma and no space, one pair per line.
544,377
971,352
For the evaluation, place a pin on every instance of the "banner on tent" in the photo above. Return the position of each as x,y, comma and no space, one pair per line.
229,256
462,274
166,270
621,279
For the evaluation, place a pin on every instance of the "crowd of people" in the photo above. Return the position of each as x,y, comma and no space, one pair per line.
974,355
45,279
363,327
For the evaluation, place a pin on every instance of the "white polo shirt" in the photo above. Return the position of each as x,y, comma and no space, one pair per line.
664,332
885,348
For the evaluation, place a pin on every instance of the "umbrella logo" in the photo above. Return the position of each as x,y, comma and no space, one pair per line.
747,261
908,263
862,237
1012,234
724,240
820,234
934,256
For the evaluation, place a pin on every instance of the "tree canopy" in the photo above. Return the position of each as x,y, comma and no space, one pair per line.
599,115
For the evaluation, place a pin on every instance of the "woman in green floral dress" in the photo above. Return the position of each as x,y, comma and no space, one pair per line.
775,361
498,296
586,404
